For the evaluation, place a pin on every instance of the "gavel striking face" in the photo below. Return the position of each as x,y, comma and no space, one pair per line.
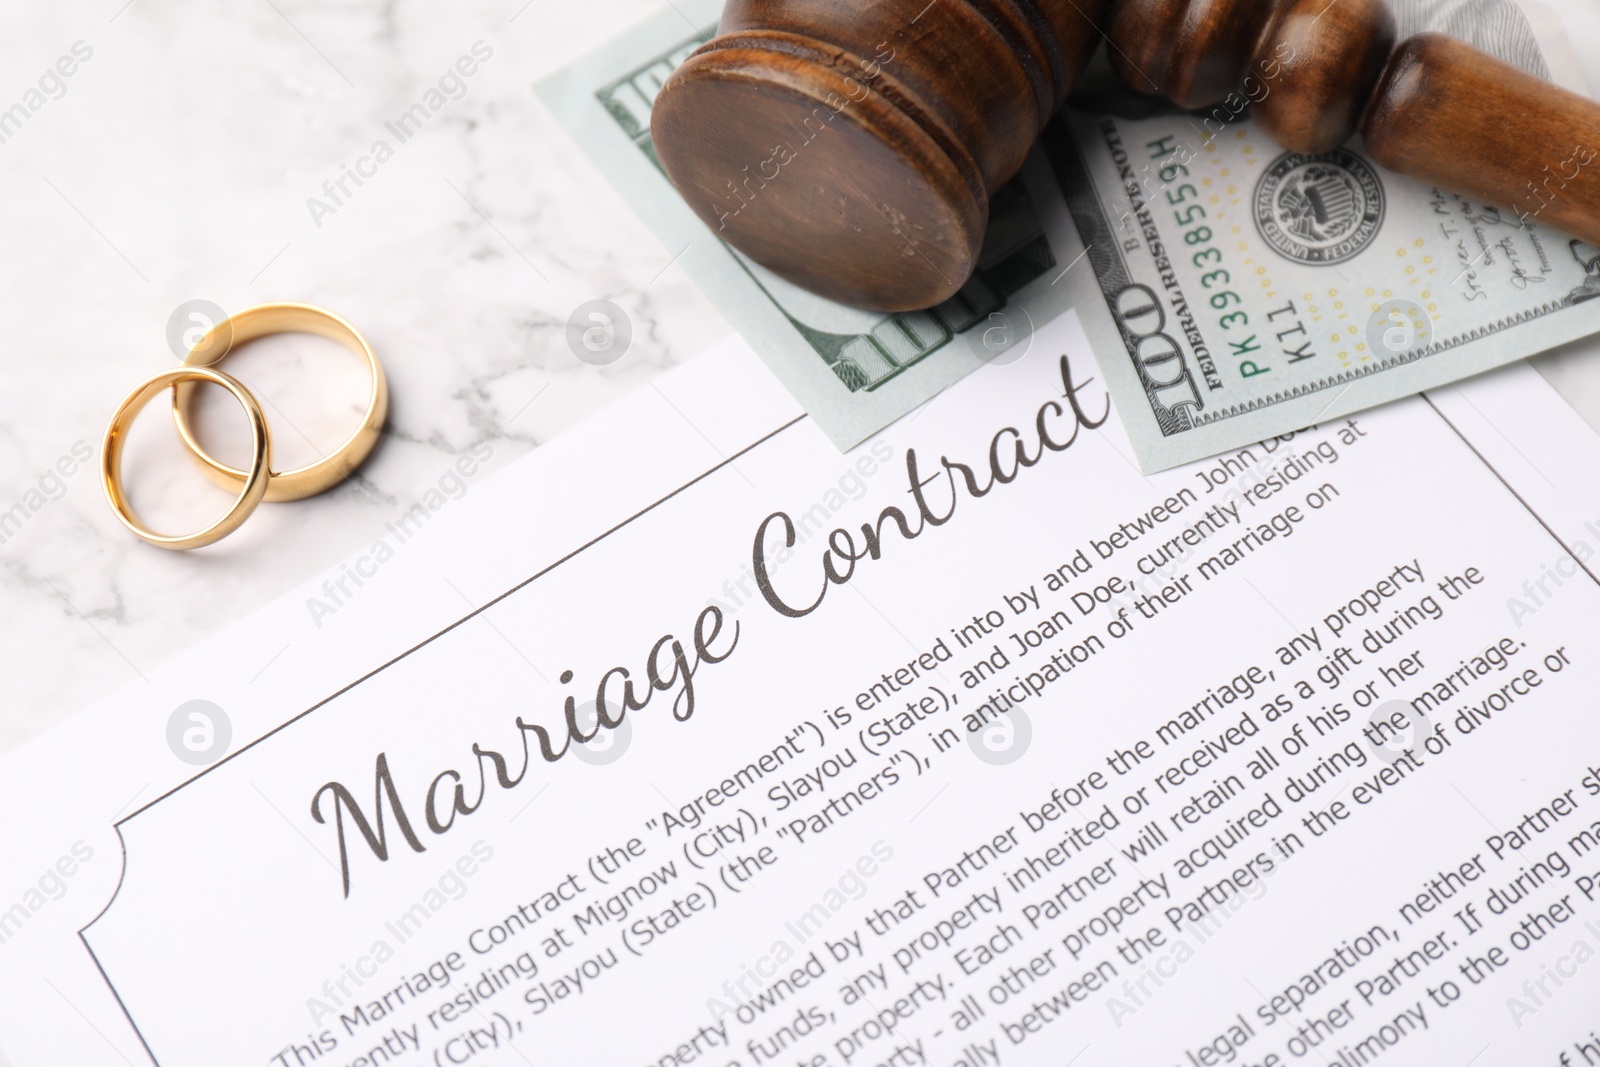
852,147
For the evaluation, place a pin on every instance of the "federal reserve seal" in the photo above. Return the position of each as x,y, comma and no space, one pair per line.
1319,209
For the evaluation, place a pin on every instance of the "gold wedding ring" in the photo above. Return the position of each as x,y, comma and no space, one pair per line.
257,322
254,482
259,482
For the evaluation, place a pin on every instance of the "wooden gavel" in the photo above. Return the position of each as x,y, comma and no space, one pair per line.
852,146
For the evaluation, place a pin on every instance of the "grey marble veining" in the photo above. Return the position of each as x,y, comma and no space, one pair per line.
176,162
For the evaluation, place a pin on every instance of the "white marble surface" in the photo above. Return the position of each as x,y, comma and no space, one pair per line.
176,165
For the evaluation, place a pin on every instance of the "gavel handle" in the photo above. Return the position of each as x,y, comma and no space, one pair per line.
1448,115
1434,109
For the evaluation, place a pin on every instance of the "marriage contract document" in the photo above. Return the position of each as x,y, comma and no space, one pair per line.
688,740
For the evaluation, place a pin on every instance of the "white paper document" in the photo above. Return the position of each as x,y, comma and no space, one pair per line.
690,741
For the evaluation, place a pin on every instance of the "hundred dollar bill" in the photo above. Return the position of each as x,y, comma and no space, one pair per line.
853,371
1248,291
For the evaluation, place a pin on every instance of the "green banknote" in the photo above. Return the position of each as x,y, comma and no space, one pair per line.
1248,291
1232,291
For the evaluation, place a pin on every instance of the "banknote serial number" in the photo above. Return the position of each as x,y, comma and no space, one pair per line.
1207,259
1195,231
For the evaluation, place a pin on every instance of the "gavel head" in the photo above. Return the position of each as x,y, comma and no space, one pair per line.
852,148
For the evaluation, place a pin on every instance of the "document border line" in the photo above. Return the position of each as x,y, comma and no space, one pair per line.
1509,488
82,932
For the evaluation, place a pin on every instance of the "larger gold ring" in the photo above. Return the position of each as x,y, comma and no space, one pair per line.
261,321
254,482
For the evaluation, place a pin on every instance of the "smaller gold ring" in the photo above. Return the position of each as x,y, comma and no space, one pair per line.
262,321
254,482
